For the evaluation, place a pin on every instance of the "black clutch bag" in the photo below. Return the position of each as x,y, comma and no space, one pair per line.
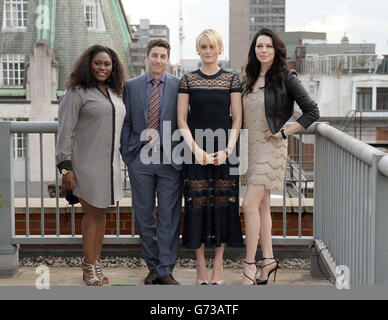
70,197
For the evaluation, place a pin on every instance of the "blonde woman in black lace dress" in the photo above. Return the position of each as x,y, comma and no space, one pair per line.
210,98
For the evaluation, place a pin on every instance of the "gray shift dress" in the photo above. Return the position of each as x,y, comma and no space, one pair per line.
89,133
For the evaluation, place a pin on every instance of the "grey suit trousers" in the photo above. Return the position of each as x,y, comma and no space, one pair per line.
159,232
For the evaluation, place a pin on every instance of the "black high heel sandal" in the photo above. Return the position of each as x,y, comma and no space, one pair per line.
254,282
264,282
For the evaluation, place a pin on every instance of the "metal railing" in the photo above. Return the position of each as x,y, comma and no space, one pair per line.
344,125
350,204
340,64
50,128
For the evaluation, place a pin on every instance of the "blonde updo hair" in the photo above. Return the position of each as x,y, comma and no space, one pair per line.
214,38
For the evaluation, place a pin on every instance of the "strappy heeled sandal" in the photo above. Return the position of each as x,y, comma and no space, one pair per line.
264,282
100,275
219,282
90,275
245,275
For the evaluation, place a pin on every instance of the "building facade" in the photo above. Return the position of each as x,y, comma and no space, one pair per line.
246,18
344,47
142,34
295,39
145,31
351,92
39,43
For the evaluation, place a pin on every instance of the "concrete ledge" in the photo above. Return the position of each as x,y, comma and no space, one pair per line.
9,260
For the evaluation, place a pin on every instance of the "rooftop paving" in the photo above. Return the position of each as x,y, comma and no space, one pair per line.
72,276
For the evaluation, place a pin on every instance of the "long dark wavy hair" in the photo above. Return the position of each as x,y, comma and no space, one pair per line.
82,76
279,66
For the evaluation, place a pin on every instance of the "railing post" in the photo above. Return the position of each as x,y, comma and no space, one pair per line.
9,253
318,185
316,263
380,206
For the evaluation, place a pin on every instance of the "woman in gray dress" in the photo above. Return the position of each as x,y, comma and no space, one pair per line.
91,115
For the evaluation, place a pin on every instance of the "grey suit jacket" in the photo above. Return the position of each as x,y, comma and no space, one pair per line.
136,103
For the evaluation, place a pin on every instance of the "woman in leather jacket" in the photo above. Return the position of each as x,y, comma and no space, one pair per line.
269,92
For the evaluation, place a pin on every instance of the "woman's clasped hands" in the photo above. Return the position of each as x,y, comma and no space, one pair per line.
216,158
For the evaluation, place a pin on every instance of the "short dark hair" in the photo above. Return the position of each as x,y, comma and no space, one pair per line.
158,43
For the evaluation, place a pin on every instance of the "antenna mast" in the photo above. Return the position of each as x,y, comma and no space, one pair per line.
181,35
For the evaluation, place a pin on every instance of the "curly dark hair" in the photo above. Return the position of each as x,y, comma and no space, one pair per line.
279,66
81,74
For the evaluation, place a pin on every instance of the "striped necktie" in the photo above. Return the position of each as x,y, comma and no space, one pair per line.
153,113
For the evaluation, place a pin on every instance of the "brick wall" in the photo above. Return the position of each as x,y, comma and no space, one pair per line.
381,134
307,153
125,221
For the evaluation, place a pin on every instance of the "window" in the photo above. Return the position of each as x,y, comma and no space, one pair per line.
278,10
14,14
158,32
12,71
364,99
19,141
93,15
19,145
278,19
268,2
382,99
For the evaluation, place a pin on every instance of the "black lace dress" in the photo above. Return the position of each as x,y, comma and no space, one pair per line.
211,193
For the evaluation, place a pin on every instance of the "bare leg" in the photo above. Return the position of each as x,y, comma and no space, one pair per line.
251,203
266,235
100,236
201,264
218,264
93,229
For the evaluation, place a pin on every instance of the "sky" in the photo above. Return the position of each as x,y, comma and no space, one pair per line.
363,21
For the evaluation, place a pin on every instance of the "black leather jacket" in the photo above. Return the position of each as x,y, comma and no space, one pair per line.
279,103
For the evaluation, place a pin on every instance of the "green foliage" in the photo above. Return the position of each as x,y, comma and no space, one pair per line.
1,200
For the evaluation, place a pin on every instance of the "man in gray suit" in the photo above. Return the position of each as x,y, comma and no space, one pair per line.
151,106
